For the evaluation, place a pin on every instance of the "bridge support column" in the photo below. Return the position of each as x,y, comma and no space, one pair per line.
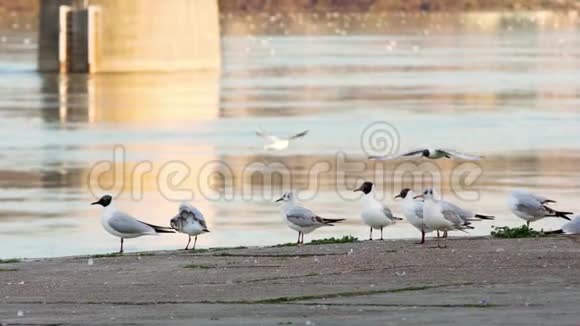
129,35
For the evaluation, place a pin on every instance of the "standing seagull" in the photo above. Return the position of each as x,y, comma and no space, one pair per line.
123,225
466,215
431,153
190,221
531,207
277,143
301,219
440,218
374,213
571,229
413,211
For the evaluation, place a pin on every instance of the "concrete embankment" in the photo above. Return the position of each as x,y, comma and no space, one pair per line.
473,281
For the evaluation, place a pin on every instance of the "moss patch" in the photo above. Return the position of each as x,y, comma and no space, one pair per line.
345,239
115,254
288,244
333,240
227,248
227,254
523,231
146,254
9,261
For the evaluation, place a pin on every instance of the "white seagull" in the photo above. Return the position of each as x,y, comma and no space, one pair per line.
571,229
531,207
189,220
278,143
431,153
123,225
440,218
374,213
413,211
301,219
466,215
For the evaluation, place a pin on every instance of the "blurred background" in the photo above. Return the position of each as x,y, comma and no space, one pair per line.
500,79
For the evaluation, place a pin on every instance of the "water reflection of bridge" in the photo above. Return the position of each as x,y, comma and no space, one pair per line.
121,36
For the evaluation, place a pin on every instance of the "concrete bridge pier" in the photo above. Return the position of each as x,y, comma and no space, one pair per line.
92,36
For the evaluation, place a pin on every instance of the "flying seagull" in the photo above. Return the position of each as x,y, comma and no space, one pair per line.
123,225
189,220
374,213
430,153
301,219
278,143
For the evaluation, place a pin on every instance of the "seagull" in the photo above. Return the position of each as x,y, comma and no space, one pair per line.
466,215
123,225
413,211
571,229
531,207
190,221
278,143
301,219
440,218
431,153
374,213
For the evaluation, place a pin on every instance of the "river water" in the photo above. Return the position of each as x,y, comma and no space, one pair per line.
502,85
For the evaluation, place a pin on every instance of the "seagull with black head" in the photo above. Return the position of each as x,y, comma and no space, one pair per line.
374,213
123,225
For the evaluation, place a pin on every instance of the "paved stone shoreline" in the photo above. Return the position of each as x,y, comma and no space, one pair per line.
485,281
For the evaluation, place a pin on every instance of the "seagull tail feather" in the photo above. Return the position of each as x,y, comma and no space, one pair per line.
562,214
484,217
328,221
161,229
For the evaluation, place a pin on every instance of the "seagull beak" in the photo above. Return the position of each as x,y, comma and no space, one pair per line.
279,199
397,196
95,203
358,189
418,196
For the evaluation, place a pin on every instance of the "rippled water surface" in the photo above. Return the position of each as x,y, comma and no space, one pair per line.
502,85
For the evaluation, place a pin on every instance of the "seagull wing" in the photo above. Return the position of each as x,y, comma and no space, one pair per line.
298,135
531,206
125,223
414,153
419,209
466,215
452,216
459,155
389,214
303,217
266,135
